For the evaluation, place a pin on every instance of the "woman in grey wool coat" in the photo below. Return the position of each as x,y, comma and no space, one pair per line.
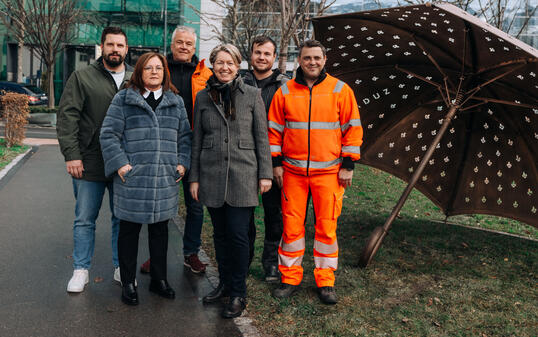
146,145
231,162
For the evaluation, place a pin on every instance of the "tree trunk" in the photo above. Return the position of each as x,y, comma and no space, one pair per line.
50,79
283,55
19,60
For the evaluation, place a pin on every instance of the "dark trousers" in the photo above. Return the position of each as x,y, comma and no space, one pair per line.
230,235
128,249
273,228
193,222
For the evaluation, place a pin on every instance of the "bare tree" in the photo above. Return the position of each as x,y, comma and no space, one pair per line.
501,14
239,21
282,20
47,28
294,23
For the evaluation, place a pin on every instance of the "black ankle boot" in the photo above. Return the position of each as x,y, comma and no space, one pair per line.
162,288
215,295
128,294
235,307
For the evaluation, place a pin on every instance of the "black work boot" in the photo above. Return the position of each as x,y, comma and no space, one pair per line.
327,295
272,274
285,290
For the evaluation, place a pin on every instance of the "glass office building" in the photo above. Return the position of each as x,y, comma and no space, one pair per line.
146,23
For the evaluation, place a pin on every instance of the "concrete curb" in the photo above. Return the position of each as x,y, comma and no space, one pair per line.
243,323
10,168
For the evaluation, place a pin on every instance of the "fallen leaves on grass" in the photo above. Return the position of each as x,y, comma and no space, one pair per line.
405,320
465,245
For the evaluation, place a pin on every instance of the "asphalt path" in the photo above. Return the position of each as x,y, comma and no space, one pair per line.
36,216
34,131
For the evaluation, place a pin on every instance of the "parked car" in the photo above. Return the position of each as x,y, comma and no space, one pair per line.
36,96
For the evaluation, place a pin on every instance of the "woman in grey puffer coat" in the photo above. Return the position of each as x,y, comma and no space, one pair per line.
146,145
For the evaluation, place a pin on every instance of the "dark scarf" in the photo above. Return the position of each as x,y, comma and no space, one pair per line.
221,93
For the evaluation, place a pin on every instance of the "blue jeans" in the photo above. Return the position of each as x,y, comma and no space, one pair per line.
89,197
193,223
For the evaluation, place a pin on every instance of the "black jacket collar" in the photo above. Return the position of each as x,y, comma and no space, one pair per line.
172,62
250,79
299,77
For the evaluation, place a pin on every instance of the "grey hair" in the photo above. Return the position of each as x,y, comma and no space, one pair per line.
227,48
184,29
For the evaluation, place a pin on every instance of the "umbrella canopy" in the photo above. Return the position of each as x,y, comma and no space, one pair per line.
448,103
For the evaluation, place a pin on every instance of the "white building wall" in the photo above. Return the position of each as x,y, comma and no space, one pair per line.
207,37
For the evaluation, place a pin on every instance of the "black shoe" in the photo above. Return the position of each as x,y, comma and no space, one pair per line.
162,288
272,274
129,295
285,290
234,308
327,295
214,296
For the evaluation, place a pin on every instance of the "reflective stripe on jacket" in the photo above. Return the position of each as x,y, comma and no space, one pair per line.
314,128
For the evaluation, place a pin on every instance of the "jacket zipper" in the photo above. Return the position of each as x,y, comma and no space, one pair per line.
309,118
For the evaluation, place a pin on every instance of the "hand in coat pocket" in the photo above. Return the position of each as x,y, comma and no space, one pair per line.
123,170
181,172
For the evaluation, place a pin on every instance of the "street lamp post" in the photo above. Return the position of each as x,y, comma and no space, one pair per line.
165,13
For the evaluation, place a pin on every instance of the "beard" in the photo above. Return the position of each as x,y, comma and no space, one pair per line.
113,63
263,68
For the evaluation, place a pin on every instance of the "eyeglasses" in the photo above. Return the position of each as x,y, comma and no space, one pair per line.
157,69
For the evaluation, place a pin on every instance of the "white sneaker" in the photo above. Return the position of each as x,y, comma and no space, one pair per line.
117,276
77,282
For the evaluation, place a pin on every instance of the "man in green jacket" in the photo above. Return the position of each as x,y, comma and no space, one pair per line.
83,106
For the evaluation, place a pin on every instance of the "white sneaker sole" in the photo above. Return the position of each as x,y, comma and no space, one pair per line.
71,289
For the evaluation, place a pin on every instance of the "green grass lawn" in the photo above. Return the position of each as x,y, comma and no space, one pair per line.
428,278
7,155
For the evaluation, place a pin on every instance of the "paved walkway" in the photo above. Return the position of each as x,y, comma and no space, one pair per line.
36,215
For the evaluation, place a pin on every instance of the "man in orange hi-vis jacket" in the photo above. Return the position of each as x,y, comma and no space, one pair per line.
315,135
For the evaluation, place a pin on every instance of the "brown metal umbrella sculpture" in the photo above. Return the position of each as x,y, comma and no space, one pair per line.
420,71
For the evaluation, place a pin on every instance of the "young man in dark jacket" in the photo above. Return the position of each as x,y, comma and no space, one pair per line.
262,58
189,76
83,106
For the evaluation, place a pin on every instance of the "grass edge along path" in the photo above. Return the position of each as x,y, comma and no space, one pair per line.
428,278
8,154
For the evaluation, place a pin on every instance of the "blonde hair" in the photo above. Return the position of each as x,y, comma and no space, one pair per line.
227,48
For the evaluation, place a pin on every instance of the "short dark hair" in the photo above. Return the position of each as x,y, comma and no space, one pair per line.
136,81
312,44
112,30
262,39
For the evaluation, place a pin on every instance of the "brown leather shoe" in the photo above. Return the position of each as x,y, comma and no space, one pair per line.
234,308
193,262
216,294
144,268
285,290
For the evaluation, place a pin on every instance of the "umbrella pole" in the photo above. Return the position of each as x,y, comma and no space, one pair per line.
379,233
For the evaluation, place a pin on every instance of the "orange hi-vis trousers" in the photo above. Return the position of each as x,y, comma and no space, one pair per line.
327,195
